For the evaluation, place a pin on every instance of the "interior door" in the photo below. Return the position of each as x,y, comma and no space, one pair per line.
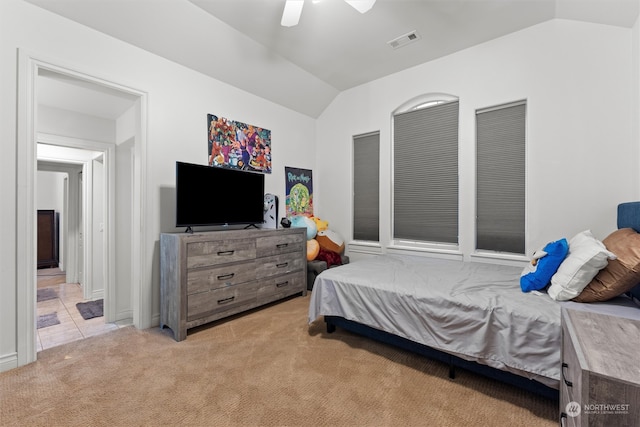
80,231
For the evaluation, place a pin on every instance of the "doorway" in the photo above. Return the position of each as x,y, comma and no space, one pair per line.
69,304
33,125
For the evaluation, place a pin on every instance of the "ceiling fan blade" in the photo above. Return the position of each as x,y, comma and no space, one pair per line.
361,6
291,13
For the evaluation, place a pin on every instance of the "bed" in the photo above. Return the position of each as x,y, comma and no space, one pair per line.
466,314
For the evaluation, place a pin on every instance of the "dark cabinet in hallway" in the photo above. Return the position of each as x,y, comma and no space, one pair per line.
47,239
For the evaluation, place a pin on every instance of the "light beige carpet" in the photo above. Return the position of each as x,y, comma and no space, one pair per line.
264,368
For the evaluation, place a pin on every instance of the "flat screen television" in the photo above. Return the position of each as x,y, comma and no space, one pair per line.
211,195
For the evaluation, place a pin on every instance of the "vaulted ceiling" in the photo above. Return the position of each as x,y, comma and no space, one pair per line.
333,48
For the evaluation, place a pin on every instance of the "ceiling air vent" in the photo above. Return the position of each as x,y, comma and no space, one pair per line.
404,40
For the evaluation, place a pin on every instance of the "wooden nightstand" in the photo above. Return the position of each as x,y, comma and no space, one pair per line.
600,384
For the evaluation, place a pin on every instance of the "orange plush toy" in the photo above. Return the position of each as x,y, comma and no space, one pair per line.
313,248
331,241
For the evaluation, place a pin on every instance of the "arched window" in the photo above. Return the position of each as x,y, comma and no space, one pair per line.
425,170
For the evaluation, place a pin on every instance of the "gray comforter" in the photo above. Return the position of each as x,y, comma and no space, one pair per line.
475,311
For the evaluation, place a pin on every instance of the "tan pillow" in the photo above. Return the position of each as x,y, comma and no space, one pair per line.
621,274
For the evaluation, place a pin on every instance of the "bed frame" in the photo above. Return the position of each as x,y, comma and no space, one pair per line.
451,360
628,215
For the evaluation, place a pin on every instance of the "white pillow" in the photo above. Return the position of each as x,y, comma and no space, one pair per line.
587,256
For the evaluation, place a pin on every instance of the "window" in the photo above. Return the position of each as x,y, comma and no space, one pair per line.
500,178
366,180
425,173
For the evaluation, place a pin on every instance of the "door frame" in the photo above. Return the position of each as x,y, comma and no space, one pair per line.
71,196
107,151
26,221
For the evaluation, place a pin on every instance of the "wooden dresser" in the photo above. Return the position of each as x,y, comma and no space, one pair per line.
211,275
600,384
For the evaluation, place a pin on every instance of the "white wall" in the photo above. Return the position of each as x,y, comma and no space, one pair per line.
581,155
50,190
56,121
178,102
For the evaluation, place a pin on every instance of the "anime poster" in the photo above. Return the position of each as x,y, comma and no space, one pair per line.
238,145
299,192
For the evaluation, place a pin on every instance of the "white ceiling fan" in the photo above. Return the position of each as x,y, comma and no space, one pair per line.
293,10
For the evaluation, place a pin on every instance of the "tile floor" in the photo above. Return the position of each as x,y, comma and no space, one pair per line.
72,326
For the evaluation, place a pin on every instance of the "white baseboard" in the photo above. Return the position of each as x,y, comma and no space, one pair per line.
8,362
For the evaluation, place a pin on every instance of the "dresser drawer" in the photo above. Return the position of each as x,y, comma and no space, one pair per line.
205,279
216,252
570,382
280,243
281,286
279,264
220,300
568,407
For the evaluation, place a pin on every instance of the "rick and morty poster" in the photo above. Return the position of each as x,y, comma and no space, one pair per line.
299,192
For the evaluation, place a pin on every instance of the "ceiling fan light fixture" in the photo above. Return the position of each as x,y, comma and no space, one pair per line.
362,6
291,13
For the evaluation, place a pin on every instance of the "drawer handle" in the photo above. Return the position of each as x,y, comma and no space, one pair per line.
282,264
282,245
563,419
226,276
567,382
282,284
226,300
225,253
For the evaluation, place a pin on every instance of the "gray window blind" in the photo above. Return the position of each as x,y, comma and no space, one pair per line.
425,172
500,169
366,180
